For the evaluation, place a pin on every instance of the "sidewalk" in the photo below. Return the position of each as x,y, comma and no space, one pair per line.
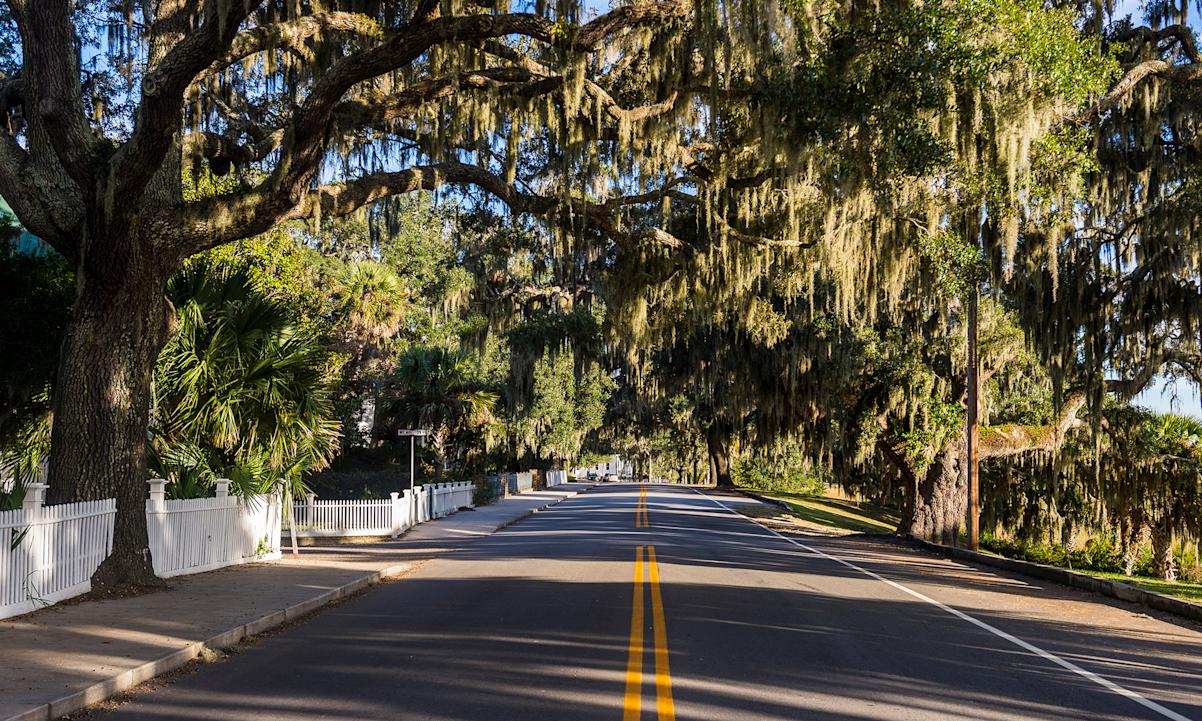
62,658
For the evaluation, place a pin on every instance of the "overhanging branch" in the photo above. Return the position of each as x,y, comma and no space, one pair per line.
308,134
290,34
158,116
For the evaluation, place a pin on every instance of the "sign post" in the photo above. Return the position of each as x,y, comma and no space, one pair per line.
414,434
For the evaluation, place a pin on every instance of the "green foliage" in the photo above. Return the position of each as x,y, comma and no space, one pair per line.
566,406
957,265
241,389
442,392
786,468
942,421
369,307
895,66
1100,554
547,329
1097,555
36,293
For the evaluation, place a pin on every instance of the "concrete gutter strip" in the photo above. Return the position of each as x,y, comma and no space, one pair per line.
1075,579
138,675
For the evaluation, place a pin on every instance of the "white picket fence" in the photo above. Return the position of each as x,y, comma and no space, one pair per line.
382,517
48,553
194,535
556,478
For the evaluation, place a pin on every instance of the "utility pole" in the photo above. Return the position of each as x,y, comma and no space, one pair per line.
973,437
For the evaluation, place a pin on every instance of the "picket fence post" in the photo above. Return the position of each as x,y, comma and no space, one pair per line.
32,507
396,513
158,494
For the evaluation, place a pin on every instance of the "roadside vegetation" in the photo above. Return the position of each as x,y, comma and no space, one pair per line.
1103,558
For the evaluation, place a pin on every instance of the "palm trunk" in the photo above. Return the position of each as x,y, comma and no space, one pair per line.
438,444
1162,549
102,399
1134,538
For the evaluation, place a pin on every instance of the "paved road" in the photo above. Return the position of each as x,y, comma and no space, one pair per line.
659,603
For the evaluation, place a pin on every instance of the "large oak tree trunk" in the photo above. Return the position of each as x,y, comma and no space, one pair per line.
102,400
717,440
940,501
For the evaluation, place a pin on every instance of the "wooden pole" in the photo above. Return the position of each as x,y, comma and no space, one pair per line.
974,510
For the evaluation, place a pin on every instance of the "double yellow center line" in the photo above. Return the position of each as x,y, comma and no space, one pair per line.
632,705
641,520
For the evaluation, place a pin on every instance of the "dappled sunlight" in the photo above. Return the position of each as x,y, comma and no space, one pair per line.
532,623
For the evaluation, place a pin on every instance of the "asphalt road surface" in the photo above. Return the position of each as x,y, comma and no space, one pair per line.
659,602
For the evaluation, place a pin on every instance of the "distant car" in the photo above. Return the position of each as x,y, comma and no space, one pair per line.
612,478
592,475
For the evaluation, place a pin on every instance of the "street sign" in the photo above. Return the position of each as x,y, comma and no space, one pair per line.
402,432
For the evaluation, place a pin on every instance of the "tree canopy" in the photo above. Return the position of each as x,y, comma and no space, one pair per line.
736,201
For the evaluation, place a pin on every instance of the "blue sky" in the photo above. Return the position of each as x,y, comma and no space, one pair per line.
1179,397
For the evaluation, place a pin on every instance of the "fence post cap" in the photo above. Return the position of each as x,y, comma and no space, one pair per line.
35,496
223,487
394,495
310,497
158,492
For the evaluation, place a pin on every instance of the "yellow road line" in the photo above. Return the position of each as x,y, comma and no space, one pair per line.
632,703
640,514
663,675
634,659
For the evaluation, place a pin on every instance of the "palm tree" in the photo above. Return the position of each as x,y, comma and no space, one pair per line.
241,391
436,390
1171,464
1152,478
370,306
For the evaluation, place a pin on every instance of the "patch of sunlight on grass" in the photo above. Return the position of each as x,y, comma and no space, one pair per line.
1180,589
838,513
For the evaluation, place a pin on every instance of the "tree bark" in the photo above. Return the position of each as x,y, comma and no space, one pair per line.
717,439
1162,549
1133,542
939,504
102,399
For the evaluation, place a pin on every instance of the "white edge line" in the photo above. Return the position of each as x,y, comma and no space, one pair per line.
1048,655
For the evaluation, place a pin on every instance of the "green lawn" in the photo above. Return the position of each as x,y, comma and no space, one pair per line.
1180,589
838,513
858,517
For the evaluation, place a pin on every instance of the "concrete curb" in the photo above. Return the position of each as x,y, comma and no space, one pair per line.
127,680
1075,579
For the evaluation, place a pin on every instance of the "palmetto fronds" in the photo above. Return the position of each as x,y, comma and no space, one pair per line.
241,391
